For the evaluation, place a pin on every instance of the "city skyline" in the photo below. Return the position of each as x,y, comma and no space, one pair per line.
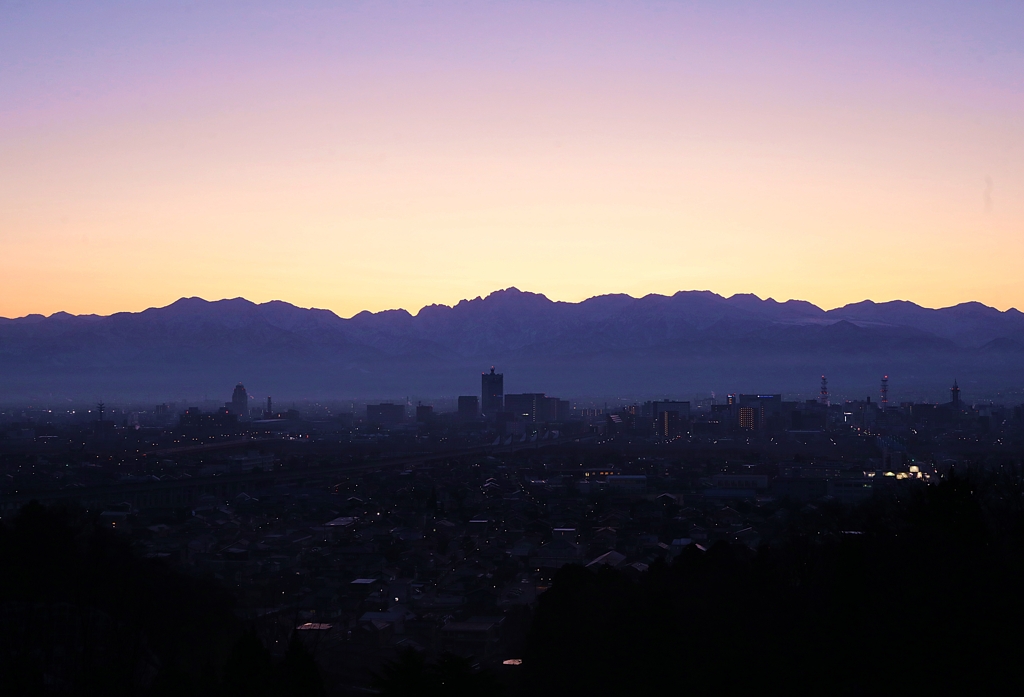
375,156
511,348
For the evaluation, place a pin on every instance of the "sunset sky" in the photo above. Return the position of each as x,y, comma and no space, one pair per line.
376,155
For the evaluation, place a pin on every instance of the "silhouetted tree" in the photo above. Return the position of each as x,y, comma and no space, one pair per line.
406,676
249,669
410,675
456,676
81,615
917,603
298,673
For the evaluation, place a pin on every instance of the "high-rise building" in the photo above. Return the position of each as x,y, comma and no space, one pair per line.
760,412
748,418
954,395
669,424
537,407
564,410
670,418
523,407
469,408
492,392
240,402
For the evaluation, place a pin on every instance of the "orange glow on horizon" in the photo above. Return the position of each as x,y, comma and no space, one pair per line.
611,152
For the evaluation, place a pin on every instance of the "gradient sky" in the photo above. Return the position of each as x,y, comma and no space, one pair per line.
377,155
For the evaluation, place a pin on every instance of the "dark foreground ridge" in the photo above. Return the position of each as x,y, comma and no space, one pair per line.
913,594
83,615
695,340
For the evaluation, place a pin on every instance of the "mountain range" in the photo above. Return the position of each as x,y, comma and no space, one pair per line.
693,342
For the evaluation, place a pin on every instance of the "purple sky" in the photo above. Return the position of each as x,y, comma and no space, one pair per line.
370,155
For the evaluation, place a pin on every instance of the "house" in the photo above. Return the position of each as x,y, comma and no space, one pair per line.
612,559
558,553
477,636
727,516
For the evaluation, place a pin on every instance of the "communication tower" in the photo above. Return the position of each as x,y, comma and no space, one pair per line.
824,392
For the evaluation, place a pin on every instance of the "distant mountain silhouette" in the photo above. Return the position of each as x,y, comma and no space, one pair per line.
690,342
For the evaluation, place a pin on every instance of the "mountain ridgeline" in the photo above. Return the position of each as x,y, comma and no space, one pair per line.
688,343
